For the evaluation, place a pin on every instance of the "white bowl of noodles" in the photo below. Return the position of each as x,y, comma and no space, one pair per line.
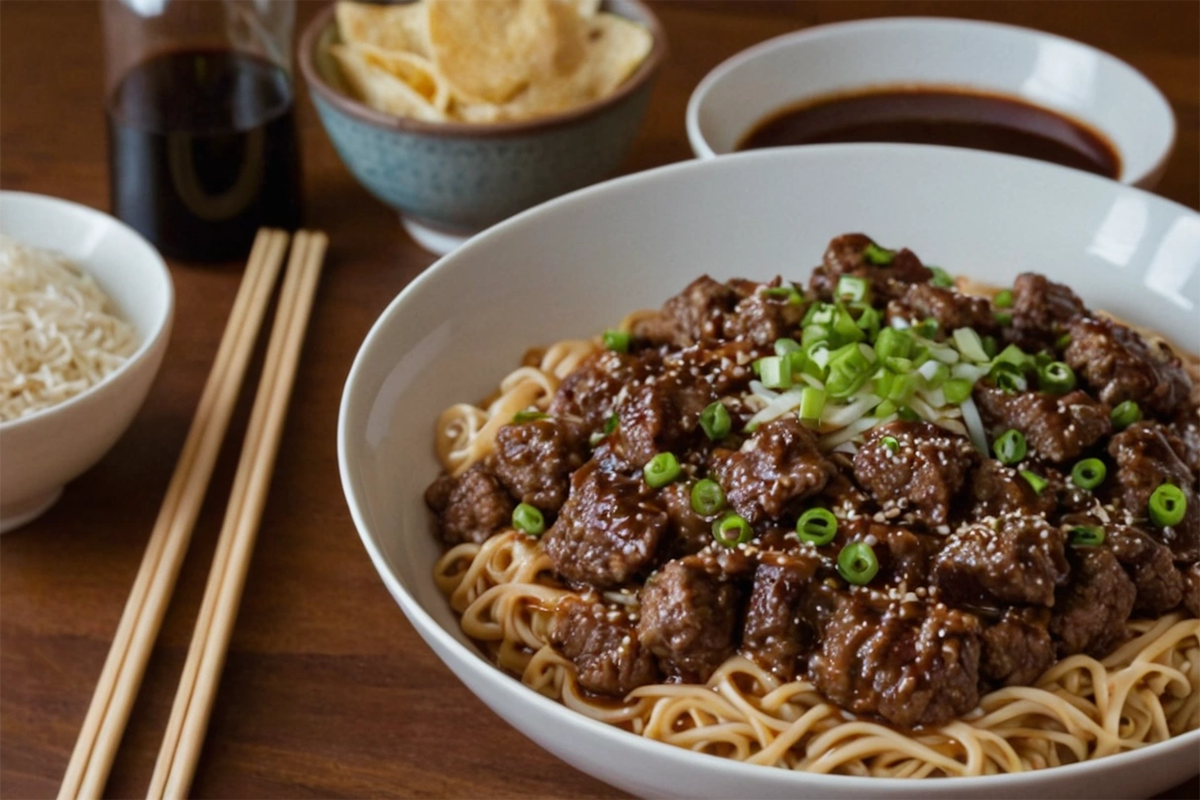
86,317
577,265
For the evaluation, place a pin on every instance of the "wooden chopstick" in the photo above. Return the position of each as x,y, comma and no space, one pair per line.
190,713
91,760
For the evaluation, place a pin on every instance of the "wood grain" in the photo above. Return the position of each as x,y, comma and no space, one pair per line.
328,692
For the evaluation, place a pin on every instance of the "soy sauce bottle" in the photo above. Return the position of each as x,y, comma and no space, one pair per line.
202,145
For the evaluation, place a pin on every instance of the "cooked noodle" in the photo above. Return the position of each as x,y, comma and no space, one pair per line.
1081,708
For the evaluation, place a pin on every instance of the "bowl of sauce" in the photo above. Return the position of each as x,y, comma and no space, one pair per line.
949,82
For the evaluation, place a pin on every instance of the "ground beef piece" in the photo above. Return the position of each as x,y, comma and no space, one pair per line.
950,308
1118,364
589,393
608,531
535,459
470,508
998,490
603,645
1057,427
922,476
1191,589
779,464
1159,585
660,412
698,312
1041,310
773,633
1015,559
844,256
1146,458
1017,649
690,532
762,318
688,619
1091,610
911,663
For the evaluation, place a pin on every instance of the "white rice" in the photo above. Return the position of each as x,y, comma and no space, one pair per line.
59,332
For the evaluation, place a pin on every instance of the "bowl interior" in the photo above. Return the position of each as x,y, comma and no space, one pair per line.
1074,79
576,265
123,263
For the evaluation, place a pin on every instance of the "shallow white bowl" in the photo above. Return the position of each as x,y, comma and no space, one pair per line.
1076,80
576,265
41,452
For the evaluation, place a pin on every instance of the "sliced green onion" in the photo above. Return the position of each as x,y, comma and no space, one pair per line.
812,334
1089,473
857,563
850,287
528,415
715,421
775,372
1063,342
528,519
1056,377
818,526
812,404
970,345
891,443
1125,414
732,530
1087,536
989,346
907,414
617,341
927,328
893,343
661,470
941,278
957,390
847,372
1010,447
1038,483
1015,356
885,409
785,346
788,293
898,364
1003,299
1168,505
845,328
1003,318
878,256
818,314
903,388
1008,377
870,322
707,497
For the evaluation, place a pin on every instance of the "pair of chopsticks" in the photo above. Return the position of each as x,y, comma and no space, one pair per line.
87,772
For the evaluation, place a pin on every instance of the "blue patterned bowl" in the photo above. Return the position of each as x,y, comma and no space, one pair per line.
451,180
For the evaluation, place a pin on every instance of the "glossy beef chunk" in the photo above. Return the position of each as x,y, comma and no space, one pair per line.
697,314
689,531
534,460
1056,427
1041,311
689,618
660,412
1117,364
609,530
997,490
590,392
1146,457
1091,610
844,256
603,645
1017,648
1152,568
1191,589
774,635
904,556
761,317
470,508
951,309
921,476
1012,559
911,663
779,464
1187,433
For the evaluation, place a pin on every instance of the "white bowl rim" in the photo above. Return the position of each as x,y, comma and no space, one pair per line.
161,324
702,149
438,638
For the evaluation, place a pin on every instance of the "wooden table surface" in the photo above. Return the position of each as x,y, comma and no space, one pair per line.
327,690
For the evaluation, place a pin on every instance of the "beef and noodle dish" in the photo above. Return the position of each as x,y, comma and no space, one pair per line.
886,523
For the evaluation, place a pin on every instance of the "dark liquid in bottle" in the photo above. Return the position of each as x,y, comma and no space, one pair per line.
202,152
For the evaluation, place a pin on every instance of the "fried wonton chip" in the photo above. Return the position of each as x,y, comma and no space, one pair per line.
382,81
401,28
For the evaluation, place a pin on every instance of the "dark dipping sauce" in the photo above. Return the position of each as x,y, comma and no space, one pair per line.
918,115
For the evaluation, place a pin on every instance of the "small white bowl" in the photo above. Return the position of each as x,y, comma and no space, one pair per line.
581,262
1077,81
46,449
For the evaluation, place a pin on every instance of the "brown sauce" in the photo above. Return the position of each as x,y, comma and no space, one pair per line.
943,116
